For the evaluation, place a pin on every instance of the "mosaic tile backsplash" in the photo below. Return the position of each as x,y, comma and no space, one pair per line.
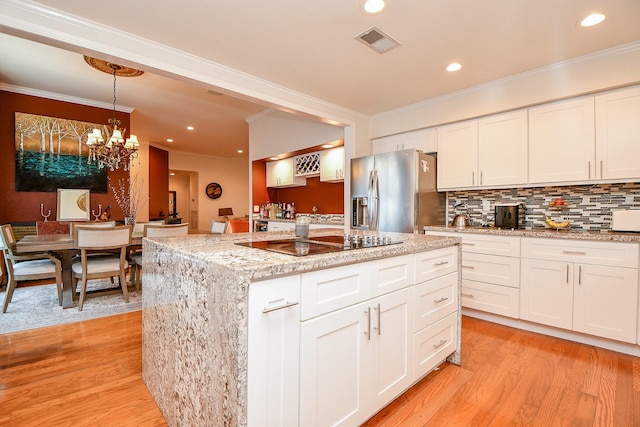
589,206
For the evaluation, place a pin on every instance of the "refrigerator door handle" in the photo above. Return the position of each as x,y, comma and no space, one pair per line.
374,197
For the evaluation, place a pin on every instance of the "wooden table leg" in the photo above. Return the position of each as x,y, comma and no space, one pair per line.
68,293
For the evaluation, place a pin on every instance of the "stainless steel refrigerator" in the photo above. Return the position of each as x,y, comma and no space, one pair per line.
395,191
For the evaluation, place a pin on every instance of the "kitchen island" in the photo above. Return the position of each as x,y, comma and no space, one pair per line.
202,358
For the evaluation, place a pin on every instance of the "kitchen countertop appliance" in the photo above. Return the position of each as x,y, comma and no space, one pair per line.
319,244
509,215
625,220
395,192
461,219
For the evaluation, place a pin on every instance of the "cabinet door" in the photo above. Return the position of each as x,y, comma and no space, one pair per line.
434,344
562,141
606,301
502,149
334,368
458,155
282,174
391,347
273,352
546,292
423,140
332,164
386,144
498,270
435,299
618,134
496,299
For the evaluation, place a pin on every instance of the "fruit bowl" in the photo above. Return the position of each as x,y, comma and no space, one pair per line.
556,225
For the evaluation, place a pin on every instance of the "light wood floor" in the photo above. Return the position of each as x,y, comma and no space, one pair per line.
88,374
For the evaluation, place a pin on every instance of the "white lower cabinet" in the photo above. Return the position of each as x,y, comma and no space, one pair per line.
273,352
355,360
599,299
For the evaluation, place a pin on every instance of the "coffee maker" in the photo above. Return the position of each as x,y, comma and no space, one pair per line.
509,215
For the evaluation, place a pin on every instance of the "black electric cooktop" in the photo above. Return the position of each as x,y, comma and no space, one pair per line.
319,244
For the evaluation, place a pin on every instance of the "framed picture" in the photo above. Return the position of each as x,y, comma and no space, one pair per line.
73,205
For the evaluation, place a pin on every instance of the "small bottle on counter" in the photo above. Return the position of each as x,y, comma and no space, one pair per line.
293,210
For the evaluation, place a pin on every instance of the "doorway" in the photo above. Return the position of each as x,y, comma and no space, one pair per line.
183,186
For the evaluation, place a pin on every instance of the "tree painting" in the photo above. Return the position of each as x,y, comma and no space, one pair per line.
51,153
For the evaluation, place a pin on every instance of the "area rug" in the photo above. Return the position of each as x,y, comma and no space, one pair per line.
37,306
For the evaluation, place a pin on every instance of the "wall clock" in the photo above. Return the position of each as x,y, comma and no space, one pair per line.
214,190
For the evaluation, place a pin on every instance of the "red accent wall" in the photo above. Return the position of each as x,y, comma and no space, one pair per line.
24,206
158,182
259,183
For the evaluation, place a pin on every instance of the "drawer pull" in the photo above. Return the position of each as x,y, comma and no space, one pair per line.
439,300
438,264
279,307
468,244
368,331
574,253
467,295
470,267
440,344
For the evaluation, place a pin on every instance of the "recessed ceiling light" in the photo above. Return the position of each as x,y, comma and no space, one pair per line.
591,20
172,173
454,66
169,140
240,151
190,128
273,158
373,6
327,146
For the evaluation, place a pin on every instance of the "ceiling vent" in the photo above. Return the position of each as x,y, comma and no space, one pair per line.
377,40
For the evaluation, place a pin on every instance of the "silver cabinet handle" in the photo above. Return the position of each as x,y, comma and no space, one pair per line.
368,331
279,307
438,264
379,328
473,178
468,244
440,344
470,267
567,273
579,275
466,295
589,169
480,178
439,300
601,167
574,253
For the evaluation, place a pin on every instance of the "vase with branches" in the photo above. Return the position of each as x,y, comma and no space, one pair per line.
129,196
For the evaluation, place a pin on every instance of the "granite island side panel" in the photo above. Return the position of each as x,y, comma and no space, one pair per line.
194,315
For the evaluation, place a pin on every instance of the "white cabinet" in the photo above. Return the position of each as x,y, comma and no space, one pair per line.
281,173
281,226
423,140
588,287
458,155
356,360
618,134
488,152
332,164
490,271
502,149
273,352
562,141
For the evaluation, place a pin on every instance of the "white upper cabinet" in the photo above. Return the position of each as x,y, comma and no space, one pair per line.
562,141
618,134
502,149
332,164
423,140
458,155
281,173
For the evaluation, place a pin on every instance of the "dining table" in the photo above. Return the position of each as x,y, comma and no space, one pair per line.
63,244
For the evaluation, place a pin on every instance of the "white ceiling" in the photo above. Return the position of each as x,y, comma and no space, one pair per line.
309,47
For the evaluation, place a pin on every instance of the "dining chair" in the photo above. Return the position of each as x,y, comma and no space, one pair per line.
154,230
95,262
23,266
219,227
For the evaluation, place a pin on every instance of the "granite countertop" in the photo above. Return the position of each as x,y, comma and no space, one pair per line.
256,263
329,219
607,235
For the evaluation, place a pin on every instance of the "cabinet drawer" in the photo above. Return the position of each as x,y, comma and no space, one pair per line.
491,245
331,289
391,274
434,344
497,270
586,252
439,262
495,299
435,299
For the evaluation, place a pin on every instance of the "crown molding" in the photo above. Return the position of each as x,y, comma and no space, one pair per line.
65,98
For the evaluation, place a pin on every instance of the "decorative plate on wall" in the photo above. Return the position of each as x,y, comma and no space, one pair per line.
214,190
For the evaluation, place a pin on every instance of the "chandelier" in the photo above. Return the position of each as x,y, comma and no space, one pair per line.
112,150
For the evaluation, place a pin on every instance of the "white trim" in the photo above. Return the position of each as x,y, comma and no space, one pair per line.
66,98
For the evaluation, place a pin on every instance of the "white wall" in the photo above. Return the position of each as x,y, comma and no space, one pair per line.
231,173
603,70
